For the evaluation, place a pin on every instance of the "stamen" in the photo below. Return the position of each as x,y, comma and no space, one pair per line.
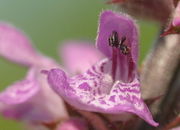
115,42
113,39
123,39
124,48
114,63
118,45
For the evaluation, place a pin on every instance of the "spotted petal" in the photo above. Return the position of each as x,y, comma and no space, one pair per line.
95,91
15,46
85,52
23,100
15,100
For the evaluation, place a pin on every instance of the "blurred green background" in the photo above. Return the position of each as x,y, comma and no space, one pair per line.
48,23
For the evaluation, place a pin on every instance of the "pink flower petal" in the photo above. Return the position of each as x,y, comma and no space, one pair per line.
124,26
95,91
53,104
15,46
32,100
21,91
16,99
79,56
26,111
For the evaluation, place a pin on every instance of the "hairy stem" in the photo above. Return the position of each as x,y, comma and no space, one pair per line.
159,74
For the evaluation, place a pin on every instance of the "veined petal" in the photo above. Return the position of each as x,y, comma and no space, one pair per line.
32,100
15,46
118,40
16,99
23,100
21,91
124,26
84,52
26,111
95,91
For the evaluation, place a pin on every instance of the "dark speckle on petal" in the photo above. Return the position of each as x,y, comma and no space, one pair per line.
85,87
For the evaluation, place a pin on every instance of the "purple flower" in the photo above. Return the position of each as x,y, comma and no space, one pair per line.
112,84
30,99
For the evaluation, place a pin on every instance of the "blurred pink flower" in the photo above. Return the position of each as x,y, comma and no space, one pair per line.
30,99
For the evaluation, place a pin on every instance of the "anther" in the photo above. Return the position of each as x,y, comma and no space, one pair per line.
124,48
113,39
123,39
115,42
